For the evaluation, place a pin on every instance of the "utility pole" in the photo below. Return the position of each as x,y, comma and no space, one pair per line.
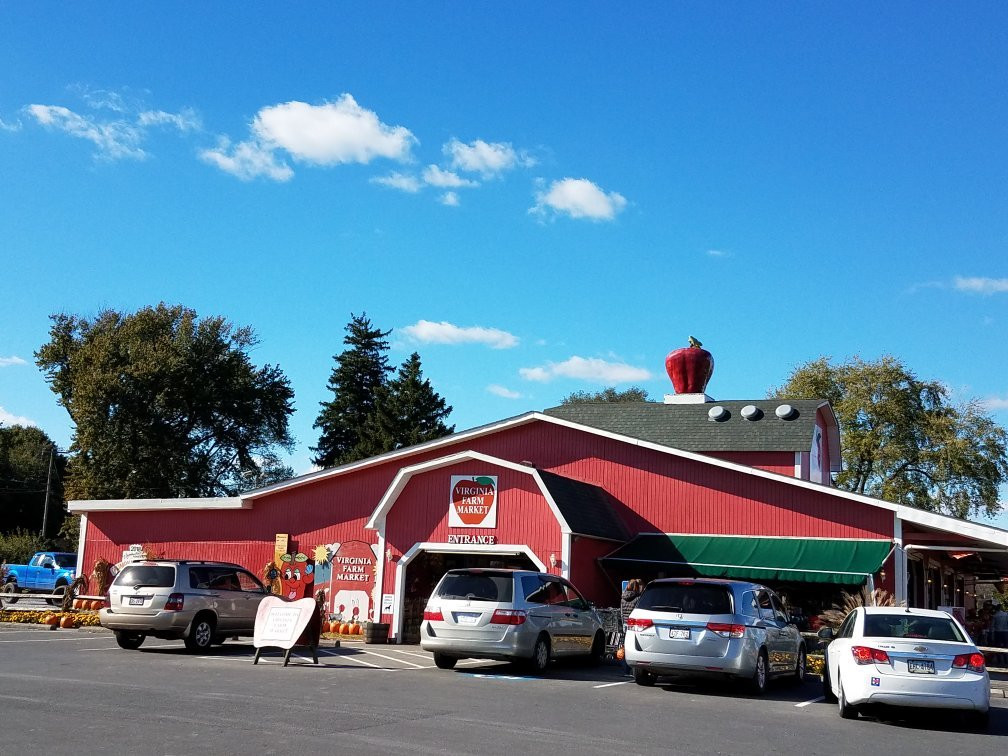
48,485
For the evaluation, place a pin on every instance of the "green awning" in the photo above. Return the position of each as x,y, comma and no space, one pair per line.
806,560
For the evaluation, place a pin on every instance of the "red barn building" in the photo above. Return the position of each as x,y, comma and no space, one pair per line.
594,492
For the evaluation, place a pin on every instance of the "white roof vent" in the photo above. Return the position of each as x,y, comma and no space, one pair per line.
717,414
752,412
786,412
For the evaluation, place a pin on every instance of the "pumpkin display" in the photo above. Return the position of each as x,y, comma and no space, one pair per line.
344,629
97,604
326,626
78,603
50,619
355,628
67,621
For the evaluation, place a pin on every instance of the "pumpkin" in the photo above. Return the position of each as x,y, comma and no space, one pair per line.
344,629
326,626
97,604
355,628
50,619
67,621
620,653
77,603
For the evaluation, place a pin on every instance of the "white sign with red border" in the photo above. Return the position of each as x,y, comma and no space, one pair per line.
472,501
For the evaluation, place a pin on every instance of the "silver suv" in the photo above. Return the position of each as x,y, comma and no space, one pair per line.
511,615
723,628
200,602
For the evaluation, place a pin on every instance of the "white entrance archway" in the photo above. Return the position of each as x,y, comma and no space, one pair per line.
445,548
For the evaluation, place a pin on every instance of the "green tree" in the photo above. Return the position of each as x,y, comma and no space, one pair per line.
632,394
902,438
356,381
408,411
164,404
25,476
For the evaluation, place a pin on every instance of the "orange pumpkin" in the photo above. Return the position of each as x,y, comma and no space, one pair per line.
97,604
344,629
67,621
355,628
620,653
76,603
50,619
326,626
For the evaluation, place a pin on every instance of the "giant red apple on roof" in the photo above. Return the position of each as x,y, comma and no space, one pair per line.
690,368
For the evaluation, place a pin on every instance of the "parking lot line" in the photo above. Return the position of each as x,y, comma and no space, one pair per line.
609,685
811,701
413,653
394,658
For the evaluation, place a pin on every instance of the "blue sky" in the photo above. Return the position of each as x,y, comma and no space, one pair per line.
537,199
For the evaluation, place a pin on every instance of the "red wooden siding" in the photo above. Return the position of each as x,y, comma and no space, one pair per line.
782,463
586,574
421,513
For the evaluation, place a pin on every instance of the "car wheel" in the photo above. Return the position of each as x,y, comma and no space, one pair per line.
57,595
800,666
758,682
597,650
129,641
643,677
10,591
443,661
540,655
201,634
827,691
846,710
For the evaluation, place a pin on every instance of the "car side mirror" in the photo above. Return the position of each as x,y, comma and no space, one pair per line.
826,633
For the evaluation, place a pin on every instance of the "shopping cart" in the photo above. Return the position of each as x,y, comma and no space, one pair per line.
612,626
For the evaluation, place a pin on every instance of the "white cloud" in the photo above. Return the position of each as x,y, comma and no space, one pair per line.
186,120
247,160
114,139
446,333
486,158
717,253
579,198
401,181
8,419
331,133
450,199
995,403
590,369
12,360
502,391
4,126
437,177
978,285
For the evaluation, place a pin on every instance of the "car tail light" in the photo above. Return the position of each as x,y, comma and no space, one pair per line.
433,615
174,602
972,662
866,655
637,624
726,630
508,617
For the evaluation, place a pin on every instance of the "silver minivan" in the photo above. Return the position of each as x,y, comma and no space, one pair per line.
510,615
724,628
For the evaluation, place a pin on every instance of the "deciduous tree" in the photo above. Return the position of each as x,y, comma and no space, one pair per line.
164,404
903,439
632,394
25,476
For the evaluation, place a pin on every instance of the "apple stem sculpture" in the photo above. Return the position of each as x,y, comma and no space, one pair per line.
690,368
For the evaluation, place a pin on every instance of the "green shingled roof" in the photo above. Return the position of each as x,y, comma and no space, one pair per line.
688,426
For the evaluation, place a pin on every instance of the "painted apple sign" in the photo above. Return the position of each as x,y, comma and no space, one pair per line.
473,501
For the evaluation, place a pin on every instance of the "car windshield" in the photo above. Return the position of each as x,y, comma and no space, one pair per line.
153,576
65,561
910,626
480,586
689,598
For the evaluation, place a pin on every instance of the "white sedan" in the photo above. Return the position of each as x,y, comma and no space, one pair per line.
905,657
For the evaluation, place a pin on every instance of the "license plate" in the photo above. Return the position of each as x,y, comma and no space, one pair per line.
679,633
921,666
136,600
464,618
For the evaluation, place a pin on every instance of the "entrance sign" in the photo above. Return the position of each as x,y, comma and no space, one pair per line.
473,501
489,540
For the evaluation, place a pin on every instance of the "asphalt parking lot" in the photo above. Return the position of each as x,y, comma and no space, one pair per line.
77,691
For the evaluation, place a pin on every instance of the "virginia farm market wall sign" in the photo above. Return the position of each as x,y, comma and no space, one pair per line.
473,501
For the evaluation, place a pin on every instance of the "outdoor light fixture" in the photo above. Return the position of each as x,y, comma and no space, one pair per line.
553,559
390,555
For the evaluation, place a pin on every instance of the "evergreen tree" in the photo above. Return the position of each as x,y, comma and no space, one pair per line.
409,411
356,380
